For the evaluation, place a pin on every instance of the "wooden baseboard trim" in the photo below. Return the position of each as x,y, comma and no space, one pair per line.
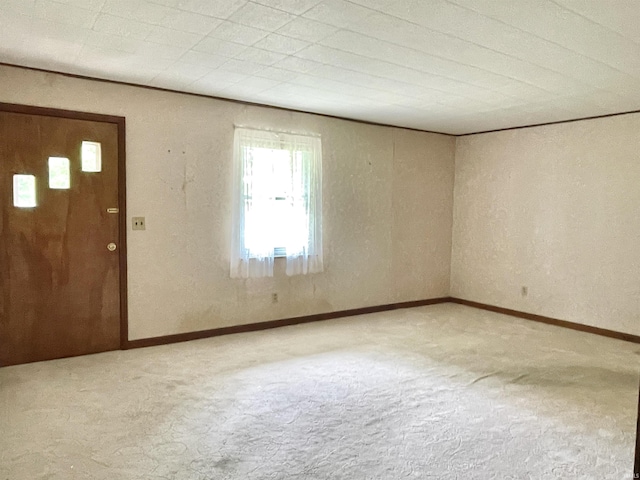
550,321
253,327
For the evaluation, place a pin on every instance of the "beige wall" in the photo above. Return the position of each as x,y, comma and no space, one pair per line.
387,212
556,209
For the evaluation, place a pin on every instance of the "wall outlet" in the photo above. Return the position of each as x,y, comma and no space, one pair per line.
274,298
138,223
524,291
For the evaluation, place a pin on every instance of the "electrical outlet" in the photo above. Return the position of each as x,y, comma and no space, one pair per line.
525,291
274,298
138,223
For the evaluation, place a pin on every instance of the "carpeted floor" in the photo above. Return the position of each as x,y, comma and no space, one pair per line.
439,392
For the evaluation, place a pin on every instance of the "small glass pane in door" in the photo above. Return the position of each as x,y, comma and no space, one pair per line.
24,191
91,157
59,173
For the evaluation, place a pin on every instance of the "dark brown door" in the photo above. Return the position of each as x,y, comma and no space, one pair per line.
59,279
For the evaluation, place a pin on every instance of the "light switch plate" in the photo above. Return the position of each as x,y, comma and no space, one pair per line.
138,223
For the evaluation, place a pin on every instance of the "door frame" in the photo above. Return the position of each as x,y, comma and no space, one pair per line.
122,191
636,463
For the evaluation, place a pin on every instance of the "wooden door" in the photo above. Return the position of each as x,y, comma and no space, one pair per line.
60,283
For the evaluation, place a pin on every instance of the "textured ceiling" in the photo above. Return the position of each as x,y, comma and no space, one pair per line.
453,66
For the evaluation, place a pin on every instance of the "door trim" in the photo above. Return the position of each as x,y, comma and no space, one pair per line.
122,191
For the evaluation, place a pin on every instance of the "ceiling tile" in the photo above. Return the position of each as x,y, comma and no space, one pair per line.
95,5
281,44
141,10
166,3
148,50
623,17
374,48
604,98
330,56
171,81
97,55
524,91
58,31
141,75
123,27
185,71
263,57
292,6
180,75
235,32
297,64
13,35
449,65
203,59
220,47
447,47
55,51
213,8
338,13
380,83
111,41
373,4
379,68
259,16
23,7
548,21
279,74
336,86
216,81
94,61
66,14
190,22
250,86
307,29
243,67
170,37
289,91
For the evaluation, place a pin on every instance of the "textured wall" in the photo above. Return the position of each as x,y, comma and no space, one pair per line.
387,212
556,209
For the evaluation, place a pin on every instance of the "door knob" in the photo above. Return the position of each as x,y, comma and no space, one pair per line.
111,247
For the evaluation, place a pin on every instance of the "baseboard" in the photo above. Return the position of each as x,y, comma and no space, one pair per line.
550,321
253,327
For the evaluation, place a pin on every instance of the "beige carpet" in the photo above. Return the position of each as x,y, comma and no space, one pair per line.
439,392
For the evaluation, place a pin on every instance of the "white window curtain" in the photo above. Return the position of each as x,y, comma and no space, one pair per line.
277,206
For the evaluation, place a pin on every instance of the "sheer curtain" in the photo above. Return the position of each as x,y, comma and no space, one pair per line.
277,203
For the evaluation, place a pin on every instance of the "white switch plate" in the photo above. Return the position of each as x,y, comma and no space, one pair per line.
138,223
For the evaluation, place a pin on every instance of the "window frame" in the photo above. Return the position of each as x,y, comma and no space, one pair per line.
278,251
303,190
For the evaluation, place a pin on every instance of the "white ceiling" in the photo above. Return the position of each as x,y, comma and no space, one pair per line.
453,66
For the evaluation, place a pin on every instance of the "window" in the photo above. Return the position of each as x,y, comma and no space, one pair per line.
91,153
24,191
59,173
277,203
